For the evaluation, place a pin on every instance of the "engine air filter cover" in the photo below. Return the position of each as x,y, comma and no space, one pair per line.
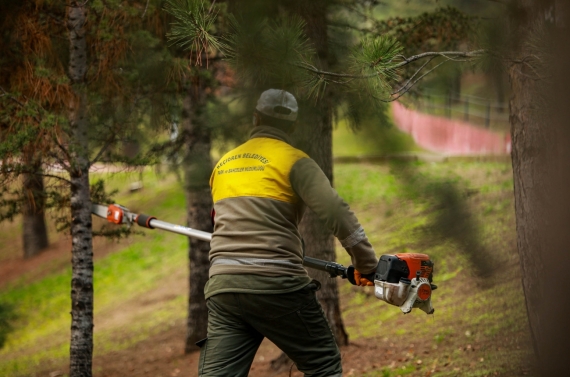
391,269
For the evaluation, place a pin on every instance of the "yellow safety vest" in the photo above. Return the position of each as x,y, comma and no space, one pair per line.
259,168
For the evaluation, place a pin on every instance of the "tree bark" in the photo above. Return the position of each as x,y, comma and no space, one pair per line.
541,169
314,136
35,238
319,241
197,169
81,345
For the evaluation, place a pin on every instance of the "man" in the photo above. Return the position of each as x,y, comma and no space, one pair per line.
258,287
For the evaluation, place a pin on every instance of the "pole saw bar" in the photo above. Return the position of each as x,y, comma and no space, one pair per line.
179,229
118,214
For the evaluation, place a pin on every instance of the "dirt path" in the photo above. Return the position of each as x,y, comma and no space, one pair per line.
55,258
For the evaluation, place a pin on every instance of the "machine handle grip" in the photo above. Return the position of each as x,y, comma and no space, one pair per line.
334,269
144,220
350,275
315,263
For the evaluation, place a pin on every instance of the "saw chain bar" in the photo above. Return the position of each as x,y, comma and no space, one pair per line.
118,214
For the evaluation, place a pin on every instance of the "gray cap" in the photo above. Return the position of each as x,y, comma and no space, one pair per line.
278,104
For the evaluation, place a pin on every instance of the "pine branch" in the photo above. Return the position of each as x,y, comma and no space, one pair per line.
269,52
450,55
193,28
16,169
63,150
414,75
14,99
103,149
53,176
408,87
61,162
145,9
211,6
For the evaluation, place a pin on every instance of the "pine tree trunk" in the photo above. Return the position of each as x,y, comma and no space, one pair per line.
197,169
315,138
319,242
541,169
81,345
35,237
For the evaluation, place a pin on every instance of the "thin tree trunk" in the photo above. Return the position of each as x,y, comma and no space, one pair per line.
81,345
316,140
197,169
35,238
541,170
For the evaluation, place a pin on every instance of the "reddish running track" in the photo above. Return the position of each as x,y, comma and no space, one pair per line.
449,136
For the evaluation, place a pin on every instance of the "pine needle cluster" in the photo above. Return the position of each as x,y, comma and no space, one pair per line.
276,52
193,28
269,53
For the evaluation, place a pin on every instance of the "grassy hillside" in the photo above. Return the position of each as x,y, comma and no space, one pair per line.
478,329
372,140
479,326
124,280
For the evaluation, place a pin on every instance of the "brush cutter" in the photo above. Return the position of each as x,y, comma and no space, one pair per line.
403,280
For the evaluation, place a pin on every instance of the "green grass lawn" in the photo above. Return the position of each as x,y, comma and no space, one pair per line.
41,331
396,206
472,312
375,140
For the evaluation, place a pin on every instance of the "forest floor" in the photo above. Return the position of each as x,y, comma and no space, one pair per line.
460,213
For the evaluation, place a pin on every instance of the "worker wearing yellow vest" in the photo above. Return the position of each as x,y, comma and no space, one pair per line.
258,287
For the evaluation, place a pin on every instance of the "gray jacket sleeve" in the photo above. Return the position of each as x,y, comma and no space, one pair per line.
313,187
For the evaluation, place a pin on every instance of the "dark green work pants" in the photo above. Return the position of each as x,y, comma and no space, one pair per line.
295,322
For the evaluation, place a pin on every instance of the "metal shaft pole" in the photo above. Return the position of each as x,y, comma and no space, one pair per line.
179,229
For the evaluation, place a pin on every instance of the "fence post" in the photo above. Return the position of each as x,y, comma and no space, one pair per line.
488,117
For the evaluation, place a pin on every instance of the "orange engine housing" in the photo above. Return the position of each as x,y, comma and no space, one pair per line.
418,262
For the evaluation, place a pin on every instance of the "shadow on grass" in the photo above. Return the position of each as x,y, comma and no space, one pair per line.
450,217
7,315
